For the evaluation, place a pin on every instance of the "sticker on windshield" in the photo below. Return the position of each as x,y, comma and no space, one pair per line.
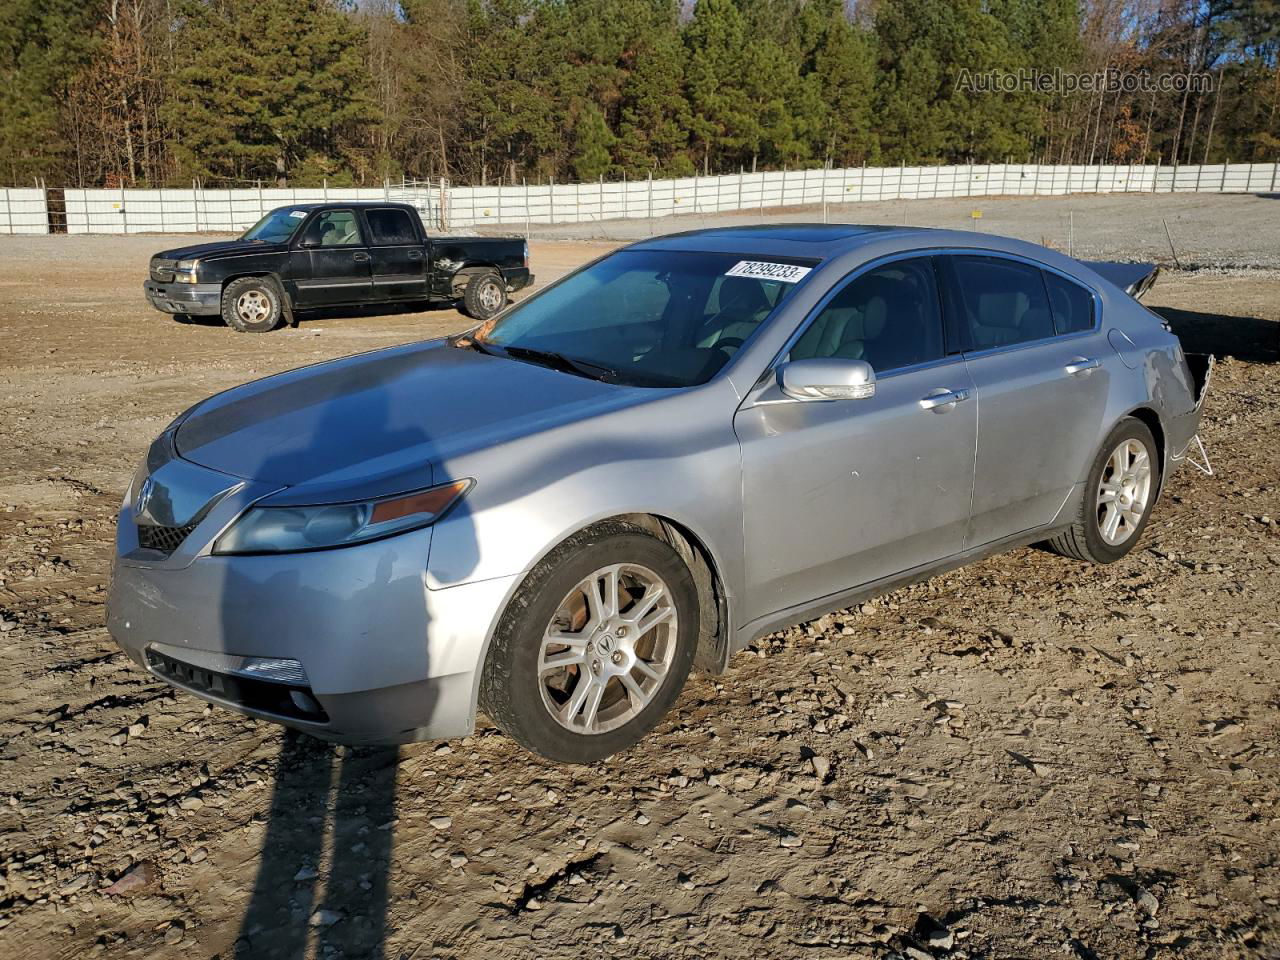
298,213
762,270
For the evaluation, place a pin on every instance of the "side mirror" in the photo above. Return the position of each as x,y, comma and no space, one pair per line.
827,379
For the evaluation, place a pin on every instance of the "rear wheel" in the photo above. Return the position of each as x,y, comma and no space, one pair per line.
484,296
595,646
252,305
1118,497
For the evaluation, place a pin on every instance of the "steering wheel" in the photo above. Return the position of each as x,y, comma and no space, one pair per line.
729,343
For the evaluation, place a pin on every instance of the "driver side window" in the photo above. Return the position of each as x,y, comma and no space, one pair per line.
335,228
888,317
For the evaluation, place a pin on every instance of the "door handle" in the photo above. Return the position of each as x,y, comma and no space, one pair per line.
360,257
1082,366
942,400
415,254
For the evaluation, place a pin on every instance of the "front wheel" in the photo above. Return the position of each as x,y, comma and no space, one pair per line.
595,646
484,296
252,305
1118,497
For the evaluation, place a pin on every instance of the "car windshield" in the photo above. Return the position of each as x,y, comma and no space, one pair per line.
277,226
646,317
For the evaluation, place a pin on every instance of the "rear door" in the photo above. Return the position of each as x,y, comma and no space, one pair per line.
1039,370
334,267
842,493
397,255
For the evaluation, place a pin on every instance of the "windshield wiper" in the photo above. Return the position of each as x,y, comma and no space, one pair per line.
558,361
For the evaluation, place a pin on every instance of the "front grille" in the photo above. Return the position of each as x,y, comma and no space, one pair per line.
162,270
162,539
260,696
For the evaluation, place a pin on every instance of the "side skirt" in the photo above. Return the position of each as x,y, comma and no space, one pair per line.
813,609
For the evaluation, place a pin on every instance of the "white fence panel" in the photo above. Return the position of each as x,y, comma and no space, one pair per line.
232,210
23,210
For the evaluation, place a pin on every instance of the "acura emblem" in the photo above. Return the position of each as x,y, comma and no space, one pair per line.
144,497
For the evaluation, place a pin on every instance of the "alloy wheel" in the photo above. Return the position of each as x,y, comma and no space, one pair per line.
607,649
1124,492
490,296
253,306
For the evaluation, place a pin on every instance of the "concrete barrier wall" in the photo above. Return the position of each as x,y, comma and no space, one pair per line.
223,211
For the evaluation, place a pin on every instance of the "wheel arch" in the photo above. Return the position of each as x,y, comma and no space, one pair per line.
462,276
286,303
713,650
1151,420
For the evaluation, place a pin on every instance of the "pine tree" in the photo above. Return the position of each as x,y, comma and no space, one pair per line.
271,89
923,117
43,43
592,139
714,80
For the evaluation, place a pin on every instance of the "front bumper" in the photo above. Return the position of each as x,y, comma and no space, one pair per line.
203,299
381,657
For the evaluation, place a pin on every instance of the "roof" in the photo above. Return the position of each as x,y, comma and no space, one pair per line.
818,240
346,204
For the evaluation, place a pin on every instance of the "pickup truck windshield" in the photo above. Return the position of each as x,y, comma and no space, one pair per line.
646,317
277,226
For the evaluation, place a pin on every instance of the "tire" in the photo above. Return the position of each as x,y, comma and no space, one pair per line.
484,296
1088,538
252,305
655,658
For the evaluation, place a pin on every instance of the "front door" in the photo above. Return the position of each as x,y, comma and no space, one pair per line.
397,255
841,493
1039,369
332,261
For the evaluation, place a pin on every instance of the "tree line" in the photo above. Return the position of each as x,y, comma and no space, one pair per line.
233,92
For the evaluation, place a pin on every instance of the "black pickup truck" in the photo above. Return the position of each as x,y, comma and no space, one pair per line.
318,255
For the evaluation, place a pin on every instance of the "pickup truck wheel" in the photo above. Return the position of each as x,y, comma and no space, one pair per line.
485,295
252,305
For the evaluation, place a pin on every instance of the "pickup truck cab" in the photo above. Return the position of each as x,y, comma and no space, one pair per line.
313,256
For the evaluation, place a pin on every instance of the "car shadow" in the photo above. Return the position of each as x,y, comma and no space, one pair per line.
1253,339
347,797
321,888
333,313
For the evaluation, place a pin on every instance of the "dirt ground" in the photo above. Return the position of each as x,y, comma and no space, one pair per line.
1027,757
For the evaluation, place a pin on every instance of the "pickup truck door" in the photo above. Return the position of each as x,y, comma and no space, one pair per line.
397,255
331,261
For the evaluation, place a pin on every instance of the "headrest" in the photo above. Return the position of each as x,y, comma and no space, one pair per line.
742,296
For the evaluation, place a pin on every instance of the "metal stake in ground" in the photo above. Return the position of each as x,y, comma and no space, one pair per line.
1169,237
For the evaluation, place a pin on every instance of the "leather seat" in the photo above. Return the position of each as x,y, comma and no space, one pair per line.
743,306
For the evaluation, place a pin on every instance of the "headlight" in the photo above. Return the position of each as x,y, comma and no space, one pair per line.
185,271
295,529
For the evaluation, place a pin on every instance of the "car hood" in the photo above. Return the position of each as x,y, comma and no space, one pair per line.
199,251
386,422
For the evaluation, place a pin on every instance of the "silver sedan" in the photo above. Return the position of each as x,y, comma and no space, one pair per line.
687,444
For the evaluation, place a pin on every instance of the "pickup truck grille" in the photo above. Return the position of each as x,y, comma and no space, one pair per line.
162,270
162,539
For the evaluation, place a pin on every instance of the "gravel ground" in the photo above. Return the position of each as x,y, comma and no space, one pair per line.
1026,757
1208,230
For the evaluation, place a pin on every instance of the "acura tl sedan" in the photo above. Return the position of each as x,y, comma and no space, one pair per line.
687,444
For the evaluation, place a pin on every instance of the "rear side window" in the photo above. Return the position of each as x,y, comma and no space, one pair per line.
1002,302
1072,304
888,317
390,226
